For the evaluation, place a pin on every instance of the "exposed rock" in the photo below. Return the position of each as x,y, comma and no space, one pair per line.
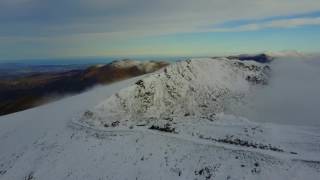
261,58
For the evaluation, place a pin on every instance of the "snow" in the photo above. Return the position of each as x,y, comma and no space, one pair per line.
56,141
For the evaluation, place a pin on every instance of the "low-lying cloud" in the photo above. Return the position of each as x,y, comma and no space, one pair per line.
292,97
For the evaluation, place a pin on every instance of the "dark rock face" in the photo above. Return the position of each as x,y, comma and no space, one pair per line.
166,128
33,90
261,58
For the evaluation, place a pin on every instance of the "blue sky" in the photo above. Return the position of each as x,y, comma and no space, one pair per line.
129,28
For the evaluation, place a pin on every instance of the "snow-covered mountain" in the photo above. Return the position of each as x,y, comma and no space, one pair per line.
177,123
196,87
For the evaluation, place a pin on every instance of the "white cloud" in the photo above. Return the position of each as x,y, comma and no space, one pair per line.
282,23
142,17
291,97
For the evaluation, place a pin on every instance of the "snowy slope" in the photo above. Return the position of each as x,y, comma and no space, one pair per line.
99,135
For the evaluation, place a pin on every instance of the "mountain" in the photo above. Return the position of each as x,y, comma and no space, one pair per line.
28,91
196,87
175,123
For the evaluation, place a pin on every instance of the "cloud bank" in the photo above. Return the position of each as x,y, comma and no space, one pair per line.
292,97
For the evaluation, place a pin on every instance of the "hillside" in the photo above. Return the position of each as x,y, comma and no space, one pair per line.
29,91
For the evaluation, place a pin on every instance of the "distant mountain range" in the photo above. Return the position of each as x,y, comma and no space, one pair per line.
15,70
27,87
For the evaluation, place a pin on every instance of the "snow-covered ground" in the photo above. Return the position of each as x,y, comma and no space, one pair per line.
178,123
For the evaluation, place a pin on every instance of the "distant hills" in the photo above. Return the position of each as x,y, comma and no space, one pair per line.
261,58
22,92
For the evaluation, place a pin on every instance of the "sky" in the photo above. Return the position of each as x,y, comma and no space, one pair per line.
132,28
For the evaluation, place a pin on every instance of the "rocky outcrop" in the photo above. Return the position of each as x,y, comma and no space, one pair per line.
261,58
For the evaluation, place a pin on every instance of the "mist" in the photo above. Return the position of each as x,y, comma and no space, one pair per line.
292,95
